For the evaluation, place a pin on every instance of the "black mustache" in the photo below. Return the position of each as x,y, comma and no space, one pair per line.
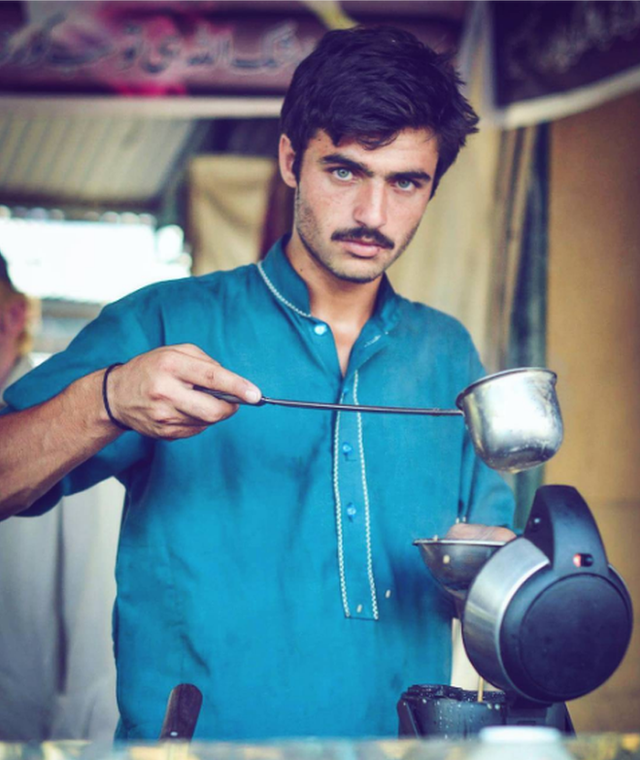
361,233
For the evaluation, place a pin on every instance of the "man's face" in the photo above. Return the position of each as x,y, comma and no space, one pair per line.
356,210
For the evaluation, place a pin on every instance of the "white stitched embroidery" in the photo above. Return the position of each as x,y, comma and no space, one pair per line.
336,490
278,294
372,585
372,341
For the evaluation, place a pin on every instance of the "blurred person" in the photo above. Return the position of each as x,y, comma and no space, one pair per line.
15,340
57,678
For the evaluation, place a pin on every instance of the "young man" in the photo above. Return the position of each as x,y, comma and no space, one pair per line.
268,560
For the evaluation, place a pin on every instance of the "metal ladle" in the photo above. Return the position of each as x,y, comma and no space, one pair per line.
513,417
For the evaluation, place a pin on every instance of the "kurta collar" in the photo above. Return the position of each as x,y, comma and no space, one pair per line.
294,293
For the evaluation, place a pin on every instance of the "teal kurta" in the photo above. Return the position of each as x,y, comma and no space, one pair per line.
268,560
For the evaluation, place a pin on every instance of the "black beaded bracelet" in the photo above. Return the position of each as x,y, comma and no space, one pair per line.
105,398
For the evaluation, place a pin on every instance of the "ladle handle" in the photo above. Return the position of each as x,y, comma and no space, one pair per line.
333,407
562,526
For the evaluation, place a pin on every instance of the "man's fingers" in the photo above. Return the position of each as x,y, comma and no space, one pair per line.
477,532
154,393
211,375
198,407
193,367
186,414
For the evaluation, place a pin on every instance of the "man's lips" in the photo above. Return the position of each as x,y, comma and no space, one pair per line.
363,248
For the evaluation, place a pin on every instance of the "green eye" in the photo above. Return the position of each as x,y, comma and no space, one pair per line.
405,184
343,173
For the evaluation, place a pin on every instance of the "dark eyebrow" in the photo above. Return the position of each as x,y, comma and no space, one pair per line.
417,176
347,163
356,166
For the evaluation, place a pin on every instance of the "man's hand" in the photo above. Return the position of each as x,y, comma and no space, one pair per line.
153,393
478,532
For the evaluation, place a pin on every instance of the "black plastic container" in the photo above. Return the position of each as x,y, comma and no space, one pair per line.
448,711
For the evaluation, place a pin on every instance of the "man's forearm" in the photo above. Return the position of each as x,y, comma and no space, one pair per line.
39,446
153,394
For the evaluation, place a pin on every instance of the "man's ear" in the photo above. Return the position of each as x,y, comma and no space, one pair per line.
15,318
286,157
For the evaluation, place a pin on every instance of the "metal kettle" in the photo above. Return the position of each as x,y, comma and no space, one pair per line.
547,617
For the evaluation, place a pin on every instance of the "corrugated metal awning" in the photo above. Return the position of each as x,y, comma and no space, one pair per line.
113,161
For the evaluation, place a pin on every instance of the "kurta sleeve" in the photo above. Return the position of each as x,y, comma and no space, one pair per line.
485,495
116,335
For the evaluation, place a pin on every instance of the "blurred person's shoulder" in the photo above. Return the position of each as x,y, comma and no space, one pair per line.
20,368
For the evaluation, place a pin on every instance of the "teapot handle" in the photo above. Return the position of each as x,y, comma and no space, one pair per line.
562,527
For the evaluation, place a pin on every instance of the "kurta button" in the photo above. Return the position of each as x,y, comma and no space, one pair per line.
351,511
320,329
359,609
347,448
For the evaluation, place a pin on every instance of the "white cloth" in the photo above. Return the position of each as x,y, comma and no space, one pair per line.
228,198
57,674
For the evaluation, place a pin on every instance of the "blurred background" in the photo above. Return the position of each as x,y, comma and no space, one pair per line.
138,143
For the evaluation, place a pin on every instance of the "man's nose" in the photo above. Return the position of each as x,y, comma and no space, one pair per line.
371,206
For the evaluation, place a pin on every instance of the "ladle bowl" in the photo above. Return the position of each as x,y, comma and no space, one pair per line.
455,562
513,418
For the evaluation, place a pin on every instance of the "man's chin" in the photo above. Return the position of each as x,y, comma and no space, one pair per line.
358,274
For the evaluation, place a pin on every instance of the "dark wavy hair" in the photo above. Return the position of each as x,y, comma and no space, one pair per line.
368,84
